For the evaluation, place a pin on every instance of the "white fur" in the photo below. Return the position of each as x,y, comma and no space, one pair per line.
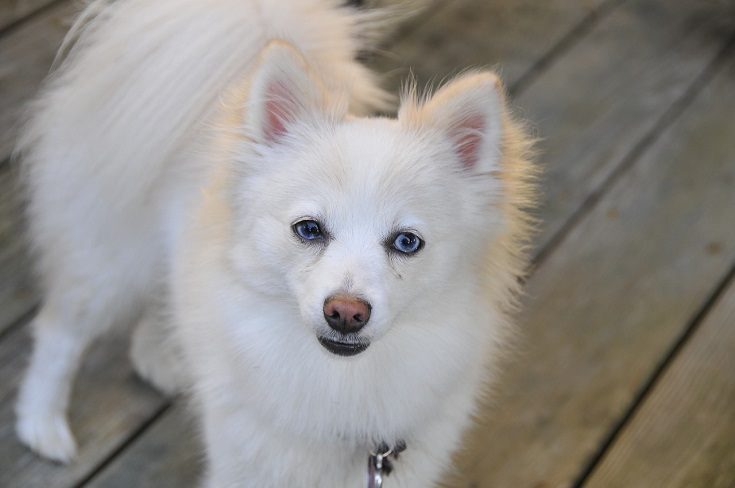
170,157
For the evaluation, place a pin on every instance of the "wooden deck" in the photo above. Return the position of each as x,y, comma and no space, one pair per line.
626,374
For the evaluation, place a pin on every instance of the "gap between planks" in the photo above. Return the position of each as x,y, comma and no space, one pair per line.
648,386
563,45
135,434
692,444
19,322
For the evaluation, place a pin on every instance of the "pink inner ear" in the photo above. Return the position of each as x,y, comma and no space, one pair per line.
468,139
277,107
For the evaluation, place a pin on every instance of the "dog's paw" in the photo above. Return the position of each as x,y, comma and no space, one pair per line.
47,435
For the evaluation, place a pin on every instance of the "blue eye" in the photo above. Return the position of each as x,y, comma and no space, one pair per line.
407,243
308,230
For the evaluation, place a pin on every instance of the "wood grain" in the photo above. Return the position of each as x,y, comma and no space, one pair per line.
609,304
683,436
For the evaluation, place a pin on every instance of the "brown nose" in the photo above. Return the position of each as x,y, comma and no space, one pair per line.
345,313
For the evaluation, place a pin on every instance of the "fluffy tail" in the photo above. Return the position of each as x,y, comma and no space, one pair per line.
139,76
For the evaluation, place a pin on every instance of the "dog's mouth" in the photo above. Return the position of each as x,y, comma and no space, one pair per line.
343,347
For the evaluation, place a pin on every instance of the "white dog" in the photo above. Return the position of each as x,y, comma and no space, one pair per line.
336,285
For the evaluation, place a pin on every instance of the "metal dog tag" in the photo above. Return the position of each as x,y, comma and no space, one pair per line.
375,469
380,464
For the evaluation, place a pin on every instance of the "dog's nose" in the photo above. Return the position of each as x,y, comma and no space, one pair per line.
345,313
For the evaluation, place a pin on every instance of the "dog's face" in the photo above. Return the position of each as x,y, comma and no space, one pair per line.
363,224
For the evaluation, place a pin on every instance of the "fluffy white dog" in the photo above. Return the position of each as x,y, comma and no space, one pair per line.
335,285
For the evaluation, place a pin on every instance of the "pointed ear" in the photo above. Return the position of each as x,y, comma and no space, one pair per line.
468,110
283,91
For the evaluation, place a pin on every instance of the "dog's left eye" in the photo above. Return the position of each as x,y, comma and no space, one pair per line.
308,230
407,243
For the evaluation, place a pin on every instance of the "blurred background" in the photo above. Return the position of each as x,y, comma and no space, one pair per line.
625,372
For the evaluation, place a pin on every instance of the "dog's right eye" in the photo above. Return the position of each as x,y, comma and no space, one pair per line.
308,230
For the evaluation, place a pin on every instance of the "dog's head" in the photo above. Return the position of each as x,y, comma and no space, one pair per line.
364,224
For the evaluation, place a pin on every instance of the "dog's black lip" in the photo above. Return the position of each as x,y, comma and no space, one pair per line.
343,348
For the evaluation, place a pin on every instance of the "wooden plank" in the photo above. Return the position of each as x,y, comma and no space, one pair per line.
25,57
17,294
611,91
683,436
108,404
172,443
512,35
608,305
12,11
684,433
